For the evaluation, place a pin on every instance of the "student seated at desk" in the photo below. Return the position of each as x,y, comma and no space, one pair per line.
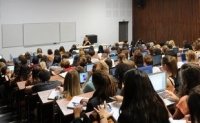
138,106
34,78
50,57
169,65
191,57
148,61
89,86
61,50
72,83
100,49
73,48
44,83
65,64
194,105
138,58
189,105
94,57
123,66
104,88
22,70
187,73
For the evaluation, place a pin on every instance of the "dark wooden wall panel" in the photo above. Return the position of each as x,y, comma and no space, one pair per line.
162,20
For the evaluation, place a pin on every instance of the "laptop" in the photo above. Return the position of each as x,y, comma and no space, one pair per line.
11,68
157,60
183,57
114,56
144,53
146,69
83,77
159,81
89,67
175,50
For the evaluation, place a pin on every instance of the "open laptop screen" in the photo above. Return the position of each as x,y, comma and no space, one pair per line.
158,81
83,77
175,50
114,56
157,60
146,69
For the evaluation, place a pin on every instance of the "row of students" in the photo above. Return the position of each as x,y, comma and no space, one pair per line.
77,63
142,104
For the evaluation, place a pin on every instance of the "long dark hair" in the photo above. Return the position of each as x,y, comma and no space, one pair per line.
104,85
141,103
190,75
194,104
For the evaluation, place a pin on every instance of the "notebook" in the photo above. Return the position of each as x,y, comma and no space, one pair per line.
159,81
75,101
63,74
54,94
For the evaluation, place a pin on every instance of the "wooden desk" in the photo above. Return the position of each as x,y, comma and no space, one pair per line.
62,104
43,95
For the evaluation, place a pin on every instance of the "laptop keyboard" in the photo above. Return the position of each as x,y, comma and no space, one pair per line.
163,94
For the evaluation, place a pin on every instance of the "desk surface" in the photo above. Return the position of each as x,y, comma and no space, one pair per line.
62,104
43,95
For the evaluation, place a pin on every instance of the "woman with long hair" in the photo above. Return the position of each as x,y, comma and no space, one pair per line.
72,83
169,65
104,88
139,106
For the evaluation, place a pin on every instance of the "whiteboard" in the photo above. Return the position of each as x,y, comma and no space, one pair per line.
67,31
41,34
12,35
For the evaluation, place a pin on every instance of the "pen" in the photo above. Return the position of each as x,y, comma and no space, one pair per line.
75,103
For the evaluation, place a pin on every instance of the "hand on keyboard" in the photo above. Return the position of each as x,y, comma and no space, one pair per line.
172,96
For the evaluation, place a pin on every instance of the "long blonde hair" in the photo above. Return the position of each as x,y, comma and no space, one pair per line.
72,83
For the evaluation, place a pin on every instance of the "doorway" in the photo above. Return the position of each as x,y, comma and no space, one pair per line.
123,31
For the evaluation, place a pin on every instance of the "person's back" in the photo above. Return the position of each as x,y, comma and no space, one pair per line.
194,105
141,103
45,84
104,88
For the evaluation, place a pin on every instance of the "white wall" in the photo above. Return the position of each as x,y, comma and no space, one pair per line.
99,17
